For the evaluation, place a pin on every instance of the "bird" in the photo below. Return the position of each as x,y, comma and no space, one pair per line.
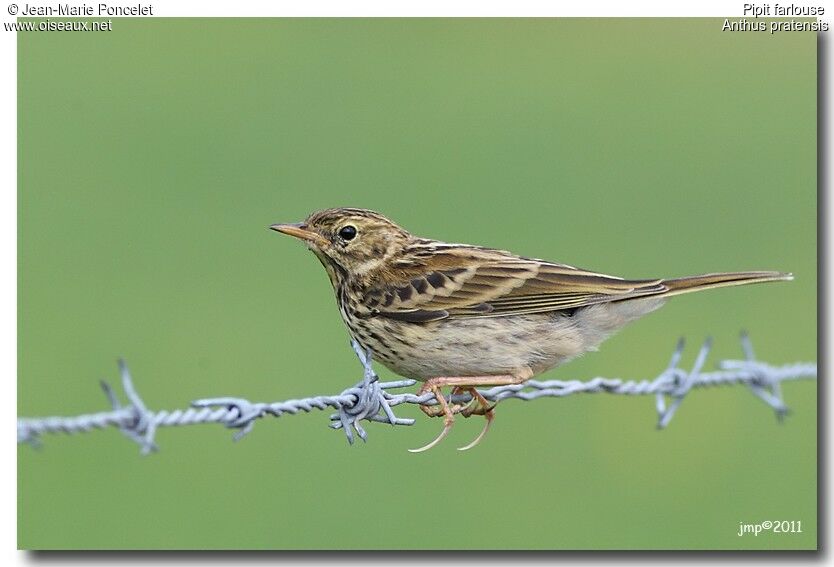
465,316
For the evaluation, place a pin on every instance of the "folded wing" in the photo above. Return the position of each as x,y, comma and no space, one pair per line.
486,283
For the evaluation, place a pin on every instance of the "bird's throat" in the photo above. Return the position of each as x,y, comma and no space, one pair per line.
330,267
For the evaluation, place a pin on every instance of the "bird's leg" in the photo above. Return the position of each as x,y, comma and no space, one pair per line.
467,383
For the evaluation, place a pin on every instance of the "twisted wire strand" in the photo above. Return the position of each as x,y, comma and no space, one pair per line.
372,400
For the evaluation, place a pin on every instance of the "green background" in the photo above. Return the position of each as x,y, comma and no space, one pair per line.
153,157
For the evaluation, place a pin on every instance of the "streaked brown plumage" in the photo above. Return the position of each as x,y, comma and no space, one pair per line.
467,316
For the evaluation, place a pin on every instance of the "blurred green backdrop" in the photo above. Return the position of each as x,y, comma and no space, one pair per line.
153,157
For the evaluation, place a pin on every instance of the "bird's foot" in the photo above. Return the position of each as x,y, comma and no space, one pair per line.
439,409
478,406
442,408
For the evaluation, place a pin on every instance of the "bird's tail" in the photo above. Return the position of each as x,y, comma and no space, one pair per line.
678,286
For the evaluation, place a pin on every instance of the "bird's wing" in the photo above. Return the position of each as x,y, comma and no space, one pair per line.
487,283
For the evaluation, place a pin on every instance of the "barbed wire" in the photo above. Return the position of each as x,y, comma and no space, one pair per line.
372,400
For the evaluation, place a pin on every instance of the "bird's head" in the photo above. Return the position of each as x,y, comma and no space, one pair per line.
356,240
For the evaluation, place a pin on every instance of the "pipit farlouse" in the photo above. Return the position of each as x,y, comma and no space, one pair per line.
466,316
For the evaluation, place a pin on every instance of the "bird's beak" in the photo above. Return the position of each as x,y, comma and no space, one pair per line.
300,230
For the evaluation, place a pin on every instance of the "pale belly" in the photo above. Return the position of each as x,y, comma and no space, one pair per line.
490,346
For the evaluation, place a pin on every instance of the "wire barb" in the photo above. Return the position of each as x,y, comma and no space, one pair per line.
372,400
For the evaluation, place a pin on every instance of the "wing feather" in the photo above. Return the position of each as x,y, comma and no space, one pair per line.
476,282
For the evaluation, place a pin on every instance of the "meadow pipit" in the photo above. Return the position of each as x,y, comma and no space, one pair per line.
466,316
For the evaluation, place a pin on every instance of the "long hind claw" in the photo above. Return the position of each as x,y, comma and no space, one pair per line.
478,406
447,427
448,419
481,435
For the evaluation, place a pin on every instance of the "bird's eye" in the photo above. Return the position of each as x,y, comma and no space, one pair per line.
347,232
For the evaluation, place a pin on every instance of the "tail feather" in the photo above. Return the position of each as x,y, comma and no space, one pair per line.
678,286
